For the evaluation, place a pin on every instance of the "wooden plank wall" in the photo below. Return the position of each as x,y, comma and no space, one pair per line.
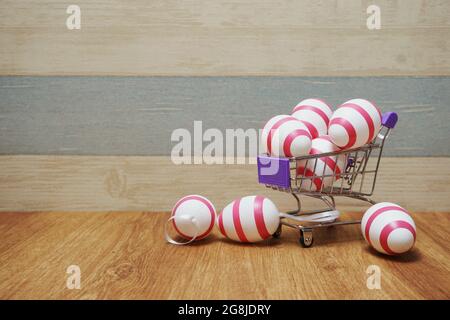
87,183
137,115
145,67
203,37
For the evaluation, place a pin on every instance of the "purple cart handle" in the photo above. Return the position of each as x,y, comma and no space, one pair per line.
389,119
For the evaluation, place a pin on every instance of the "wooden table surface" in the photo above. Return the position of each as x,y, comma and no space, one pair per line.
124,255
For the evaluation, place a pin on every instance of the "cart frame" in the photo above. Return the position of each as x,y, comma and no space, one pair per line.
357,181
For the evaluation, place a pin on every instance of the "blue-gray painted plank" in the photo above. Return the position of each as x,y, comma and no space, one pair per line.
136,115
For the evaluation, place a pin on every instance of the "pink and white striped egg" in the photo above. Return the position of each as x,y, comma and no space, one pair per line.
355,123
285,136
328,165
315,114
193,215
388,228
249,219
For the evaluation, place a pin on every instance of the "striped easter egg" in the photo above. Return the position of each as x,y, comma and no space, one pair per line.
354,123
315,114
249,219
319,168
193,215
285,136
388,228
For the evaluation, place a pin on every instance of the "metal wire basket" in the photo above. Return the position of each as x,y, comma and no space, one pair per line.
356,181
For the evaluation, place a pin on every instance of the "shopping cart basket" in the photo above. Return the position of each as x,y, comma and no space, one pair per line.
357,181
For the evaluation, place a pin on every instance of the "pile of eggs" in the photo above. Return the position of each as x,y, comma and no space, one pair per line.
386,227
313,128
353,124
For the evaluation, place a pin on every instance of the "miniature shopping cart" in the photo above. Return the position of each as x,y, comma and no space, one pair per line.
357,181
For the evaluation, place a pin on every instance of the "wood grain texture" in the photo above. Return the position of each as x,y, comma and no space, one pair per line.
83,183
124,256
255,37
137,115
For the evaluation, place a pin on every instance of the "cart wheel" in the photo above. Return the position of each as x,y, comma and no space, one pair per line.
277,233
306,238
